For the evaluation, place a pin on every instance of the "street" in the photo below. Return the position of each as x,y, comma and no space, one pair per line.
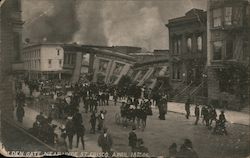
160,134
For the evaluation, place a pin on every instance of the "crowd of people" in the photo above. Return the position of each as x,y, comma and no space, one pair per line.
209,115
135,108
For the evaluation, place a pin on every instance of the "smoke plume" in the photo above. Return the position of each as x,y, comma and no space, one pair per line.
111,22
55,20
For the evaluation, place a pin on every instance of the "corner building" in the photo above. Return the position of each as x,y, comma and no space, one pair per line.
188,54
228,53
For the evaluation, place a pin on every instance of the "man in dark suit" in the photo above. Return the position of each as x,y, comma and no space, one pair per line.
132,138
80,131
105,141
187,108
197,113
70,131
77,118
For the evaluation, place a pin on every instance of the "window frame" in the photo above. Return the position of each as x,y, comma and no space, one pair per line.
228,17
217,17
189,45
50,63
221,53
201,44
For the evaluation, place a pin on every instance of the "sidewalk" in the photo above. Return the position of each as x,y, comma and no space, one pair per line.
29,119
231,116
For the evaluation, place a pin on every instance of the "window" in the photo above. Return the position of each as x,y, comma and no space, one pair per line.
217,50
103,65
217,17
73,59
39,62
237,15
176,72
229,49
199,43
50,63
118,68
177,46
58,52
228,15
69,59
60,62
189,44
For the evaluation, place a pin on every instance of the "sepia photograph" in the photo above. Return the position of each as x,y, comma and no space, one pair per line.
125,78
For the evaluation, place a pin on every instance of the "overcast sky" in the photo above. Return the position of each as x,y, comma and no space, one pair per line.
104,22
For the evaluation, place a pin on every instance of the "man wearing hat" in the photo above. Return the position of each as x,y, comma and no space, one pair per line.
105,141
70,131
132,138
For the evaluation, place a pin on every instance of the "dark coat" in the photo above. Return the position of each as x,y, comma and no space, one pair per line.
70,128
20,111
197,111
105,142
80,130
93,119
77,119
187,106
132,138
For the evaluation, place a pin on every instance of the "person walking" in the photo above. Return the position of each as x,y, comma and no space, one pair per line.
70,131
197,113
213,116
105,141
132,139
187,108
203,111
101,120
93,122
80,131
77,118
20,113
